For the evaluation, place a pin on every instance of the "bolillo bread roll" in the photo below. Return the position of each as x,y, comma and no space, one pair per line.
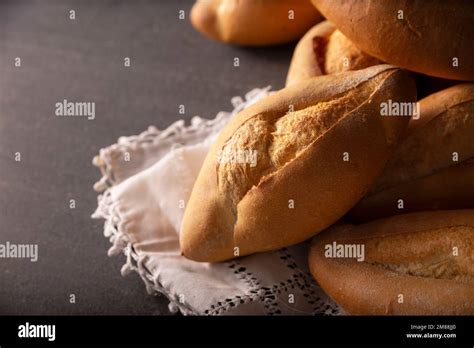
254,22
433,37
433,166
412,264
325,50
276,174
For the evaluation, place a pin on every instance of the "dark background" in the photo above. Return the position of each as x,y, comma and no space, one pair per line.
82,60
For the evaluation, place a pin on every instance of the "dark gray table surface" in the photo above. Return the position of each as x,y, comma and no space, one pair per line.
82,60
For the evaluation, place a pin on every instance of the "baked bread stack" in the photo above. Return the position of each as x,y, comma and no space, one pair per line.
348,140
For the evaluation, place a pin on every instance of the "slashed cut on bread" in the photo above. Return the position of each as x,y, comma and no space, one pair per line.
278,172
412,264
433,166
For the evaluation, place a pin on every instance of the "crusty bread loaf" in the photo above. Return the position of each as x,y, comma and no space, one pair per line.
412,264
433,37
254,22
299,183
325,50
433,166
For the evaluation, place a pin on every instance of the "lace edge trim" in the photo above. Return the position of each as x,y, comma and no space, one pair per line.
107,210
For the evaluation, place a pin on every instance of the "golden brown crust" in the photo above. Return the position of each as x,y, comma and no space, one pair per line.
418,264
250,207
254,22
425,37
325,50
422,171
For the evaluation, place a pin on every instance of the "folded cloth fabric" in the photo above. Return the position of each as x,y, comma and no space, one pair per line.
146,182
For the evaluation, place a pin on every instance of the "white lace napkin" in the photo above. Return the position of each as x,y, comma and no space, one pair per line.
146,182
